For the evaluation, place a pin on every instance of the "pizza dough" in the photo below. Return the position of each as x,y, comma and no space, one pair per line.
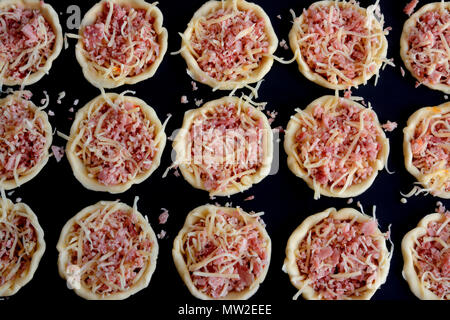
138,63
247,256
426,149
317,143
420,272
123,151
363,264
24,142
221,65
28,55
114,254
428,60
18,222
241,141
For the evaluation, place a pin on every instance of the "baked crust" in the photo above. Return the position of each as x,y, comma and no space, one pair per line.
183,151
409,272
78,167
201,76
409,131
378,55
290,262
404,45
63,248
193,217
30,174
51,17
296,167
11,287
94,76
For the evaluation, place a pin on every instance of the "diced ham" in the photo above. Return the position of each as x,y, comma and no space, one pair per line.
409,8
133,146
389,126
58,152
115,248
163,216
221,48
340,247
243,255
26,41
127,46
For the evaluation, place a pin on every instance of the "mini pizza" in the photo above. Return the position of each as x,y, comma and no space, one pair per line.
121,42
25,137
222,253
337,146
224,147
31,39
337,255
426,148
115,141
338,44
424,45
108,251
229,44
21,246
426,257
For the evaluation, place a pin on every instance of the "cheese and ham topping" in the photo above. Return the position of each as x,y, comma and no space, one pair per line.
337,144
122,42
116,142
340,258
18,243
26,41
110,249
229,44
430,150
23,138
224,252
339,42
431,257
409,8
225,146
428,49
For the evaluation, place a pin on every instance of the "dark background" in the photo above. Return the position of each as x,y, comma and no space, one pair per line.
55,195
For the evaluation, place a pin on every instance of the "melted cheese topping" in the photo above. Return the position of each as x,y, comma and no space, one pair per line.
110,250
225,146
428,47
339,42
337,145
430,149
26,41
229,44
22,138
116,142
122,42
431,257
224,252
18,243
340,258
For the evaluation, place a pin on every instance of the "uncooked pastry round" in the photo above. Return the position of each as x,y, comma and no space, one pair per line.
90,72
404,43
51,17
11,287
409,132
64,247
290,263
183,149
79,168
264,65
296,167
409,271
192,218
30,174
378,55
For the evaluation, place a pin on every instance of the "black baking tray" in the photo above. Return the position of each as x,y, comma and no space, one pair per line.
55,195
